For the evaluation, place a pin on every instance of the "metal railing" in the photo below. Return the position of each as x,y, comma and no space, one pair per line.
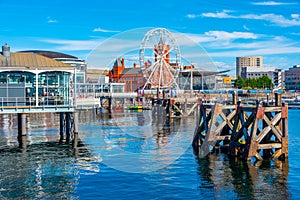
30,102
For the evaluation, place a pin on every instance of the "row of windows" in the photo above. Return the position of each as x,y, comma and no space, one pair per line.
292,78
257,74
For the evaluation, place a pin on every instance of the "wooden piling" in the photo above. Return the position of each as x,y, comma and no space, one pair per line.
247,132
76,123
21,124
68,126
61,125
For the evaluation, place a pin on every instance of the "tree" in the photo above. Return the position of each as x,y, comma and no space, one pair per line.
239,83
261,82
265,82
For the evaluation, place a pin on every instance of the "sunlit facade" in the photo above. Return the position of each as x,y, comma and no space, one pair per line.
32,79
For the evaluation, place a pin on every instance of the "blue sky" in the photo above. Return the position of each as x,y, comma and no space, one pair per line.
225,29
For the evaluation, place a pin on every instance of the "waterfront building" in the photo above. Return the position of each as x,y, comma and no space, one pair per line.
248,62
132,78
228,81
28,78
278,78
255,72
97,76
199,79
115,73
292,78
79,64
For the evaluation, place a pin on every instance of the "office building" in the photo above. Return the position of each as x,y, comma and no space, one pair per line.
247,62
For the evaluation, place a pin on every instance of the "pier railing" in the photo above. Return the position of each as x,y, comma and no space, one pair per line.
29,104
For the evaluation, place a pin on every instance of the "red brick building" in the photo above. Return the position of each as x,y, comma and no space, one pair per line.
132,77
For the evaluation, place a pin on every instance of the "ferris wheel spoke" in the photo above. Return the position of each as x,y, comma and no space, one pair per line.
160,72
153,70
168,68
151,67
168,51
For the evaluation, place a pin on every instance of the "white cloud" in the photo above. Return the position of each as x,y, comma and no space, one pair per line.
228,44
50,20
222,14
224,66
272,18
104,30
295,16
246,28
213,36
72,45
275,19
223,35
271,3
264,51
192,16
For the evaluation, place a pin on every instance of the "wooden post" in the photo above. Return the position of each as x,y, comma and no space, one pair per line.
284,129
109,104
21,124
185,106
75,123
234,98
61,125
68,126
75,145
22,139
278,100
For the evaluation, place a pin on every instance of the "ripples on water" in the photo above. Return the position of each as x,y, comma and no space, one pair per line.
47,169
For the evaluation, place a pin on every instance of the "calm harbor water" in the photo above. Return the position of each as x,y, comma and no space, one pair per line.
111,147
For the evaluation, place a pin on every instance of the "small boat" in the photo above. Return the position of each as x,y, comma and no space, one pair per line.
139,107
135,108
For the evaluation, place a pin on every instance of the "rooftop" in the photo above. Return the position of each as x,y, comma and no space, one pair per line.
132,71
95,73
260,69
50,54
30,61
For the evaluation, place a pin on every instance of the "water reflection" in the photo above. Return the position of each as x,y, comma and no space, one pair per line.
136,141
242,180
43,170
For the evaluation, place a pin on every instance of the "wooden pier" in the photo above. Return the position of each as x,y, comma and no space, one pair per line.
246,132
68,118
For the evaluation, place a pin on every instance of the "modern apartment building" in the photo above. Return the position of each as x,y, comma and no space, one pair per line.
292,78
249,61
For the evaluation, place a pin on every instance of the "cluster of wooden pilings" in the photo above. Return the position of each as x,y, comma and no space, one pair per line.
246,132
68,125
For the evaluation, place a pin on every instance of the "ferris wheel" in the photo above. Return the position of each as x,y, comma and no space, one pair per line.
160,59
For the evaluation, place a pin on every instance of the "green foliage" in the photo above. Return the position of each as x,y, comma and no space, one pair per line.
263,82
239,83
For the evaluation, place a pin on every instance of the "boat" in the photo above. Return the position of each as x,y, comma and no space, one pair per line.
293,103
139,107
135,108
